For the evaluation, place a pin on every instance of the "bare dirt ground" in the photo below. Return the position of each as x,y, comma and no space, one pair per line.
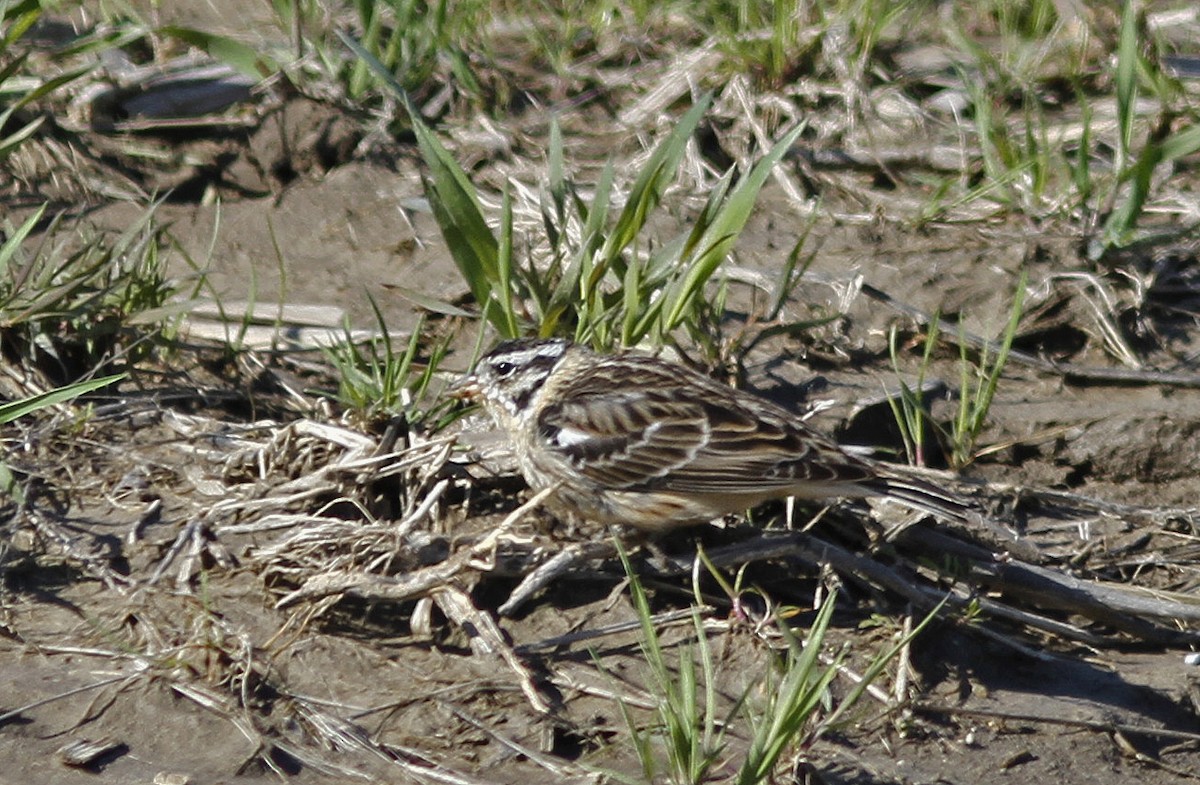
226,589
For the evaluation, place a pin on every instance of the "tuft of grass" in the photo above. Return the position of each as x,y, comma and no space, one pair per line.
773,42
19,89
1021,169
909,408
765,38
421,43
687,731
1135,168
68,305
597,286
978,382
795,698
1012,47
1032,165
691,733
375,380
1016,157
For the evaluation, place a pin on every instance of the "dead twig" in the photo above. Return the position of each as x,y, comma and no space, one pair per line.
488,640
479,557
558,565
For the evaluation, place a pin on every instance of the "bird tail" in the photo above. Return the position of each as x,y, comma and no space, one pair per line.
921,494
959,511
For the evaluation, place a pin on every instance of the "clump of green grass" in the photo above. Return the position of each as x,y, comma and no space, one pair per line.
597,285
69,306
765,38
694,736
978,382
687,731
422,43
1005,55
1134,168
376,380
1026,166
18,87
908,407
776,42
76,305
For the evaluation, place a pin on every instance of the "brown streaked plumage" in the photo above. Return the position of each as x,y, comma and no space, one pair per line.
640,441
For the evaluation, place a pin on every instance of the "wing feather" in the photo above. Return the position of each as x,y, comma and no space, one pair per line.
646,427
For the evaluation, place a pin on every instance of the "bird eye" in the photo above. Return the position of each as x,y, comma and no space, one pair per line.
504,369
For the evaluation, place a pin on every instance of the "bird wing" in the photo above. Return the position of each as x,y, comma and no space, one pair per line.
690,439
621,443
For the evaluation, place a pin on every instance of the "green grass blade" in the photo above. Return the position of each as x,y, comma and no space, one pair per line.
1181,144
1081,170
878,664
104,39
712,209
556,170
10,69
1126,82
997,367
596,223
570,287
723,230
504,269
20,18
14,241
472,245
432,304
15,409
1159,147
245,59
631,295
1118,228
653,179
371,24
455,204
47,87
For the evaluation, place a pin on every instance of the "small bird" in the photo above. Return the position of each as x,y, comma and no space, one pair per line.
635,440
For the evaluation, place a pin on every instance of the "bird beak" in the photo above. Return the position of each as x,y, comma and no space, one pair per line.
465,389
